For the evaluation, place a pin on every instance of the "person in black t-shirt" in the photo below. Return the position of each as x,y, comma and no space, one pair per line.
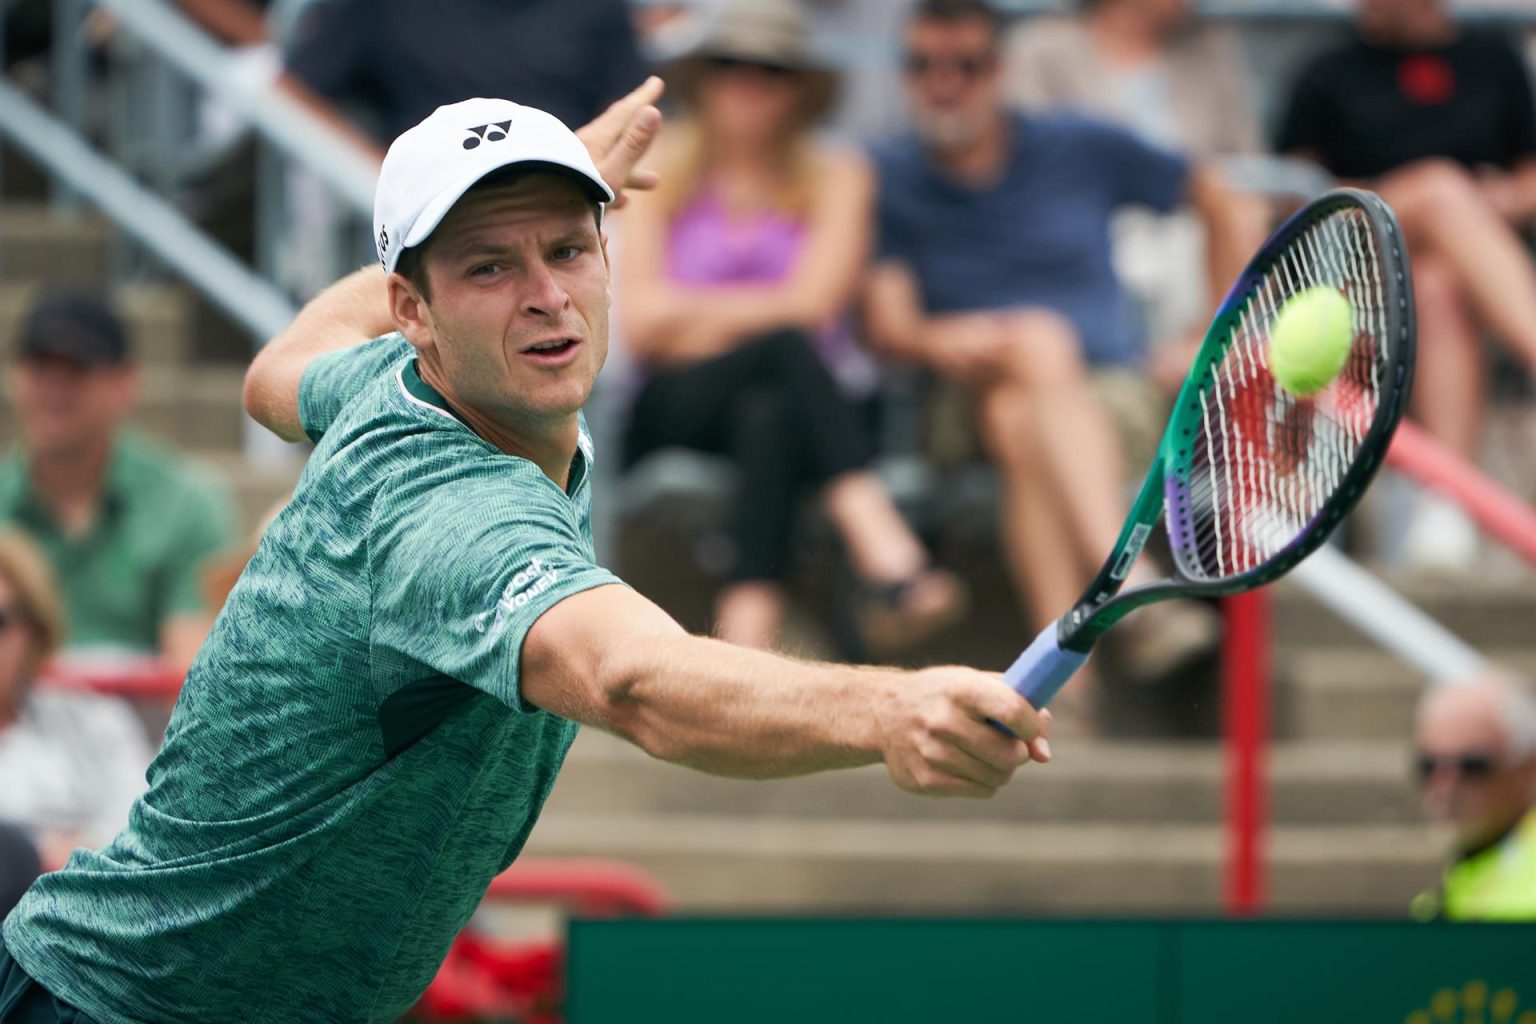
1441,122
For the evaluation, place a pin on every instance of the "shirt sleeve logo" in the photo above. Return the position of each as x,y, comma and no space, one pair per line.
527,584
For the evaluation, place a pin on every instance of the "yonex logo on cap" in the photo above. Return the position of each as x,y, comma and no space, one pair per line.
489,132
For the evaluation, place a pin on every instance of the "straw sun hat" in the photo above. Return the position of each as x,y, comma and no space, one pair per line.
775,33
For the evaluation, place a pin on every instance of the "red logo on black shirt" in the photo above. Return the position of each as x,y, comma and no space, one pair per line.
1426,79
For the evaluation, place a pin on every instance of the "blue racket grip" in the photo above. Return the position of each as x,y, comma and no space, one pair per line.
1042,670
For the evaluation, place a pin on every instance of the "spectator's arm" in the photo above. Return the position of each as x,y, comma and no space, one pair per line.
893,312
236,22
1233,229
665,321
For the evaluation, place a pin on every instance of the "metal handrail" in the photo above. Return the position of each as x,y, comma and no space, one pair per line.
299,133
155,223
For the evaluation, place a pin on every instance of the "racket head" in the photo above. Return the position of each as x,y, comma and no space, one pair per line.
1254,477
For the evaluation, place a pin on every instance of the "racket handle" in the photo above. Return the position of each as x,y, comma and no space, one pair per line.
1043,668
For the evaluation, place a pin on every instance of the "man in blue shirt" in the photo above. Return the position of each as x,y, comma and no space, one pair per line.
995,272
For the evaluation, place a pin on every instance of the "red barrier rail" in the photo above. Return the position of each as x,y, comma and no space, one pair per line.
1245,666
1430,464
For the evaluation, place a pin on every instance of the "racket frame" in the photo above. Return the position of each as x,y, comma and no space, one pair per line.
1101,604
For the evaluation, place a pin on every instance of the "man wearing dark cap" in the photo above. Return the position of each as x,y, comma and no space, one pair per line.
126,524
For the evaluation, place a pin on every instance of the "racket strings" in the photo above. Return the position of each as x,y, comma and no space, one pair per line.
1262,463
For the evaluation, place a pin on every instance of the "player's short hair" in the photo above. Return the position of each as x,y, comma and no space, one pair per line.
949,11
412,263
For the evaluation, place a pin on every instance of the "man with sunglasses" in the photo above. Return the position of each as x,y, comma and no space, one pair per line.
995,271
1476,767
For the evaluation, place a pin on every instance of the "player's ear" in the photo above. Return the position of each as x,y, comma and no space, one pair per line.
412,313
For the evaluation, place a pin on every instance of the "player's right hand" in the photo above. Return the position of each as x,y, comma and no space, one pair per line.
936,738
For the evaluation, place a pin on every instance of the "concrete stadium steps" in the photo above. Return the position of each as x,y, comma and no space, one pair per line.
751,864
1089,781
158,318
37,243
1354,694
1484,612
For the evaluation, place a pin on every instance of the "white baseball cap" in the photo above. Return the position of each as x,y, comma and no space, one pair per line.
431,165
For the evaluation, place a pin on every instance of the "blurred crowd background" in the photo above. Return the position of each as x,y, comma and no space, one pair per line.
892,340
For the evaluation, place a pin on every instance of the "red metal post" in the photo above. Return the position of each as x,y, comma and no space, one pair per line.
1246,661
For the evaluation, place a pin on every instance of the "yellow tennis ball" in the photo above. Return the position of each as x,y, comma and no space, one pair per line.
1309,340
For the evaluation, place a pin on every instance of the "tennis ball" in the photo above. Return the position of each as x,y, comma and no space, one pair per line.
1309,340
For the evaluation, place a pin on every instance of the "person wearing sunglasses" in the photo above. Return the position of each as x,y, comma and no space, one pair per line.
994,272
1475,763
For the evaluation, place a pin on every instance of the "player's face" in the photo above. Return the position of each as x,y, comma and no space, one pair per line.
952,80
517,323
1474,783
65,407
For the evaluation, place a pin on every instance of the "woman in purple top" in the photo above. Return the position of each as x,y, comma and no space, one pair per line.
737,274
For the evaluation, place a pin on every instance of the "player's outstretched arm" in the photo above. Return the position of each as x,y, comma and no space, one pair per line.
610,658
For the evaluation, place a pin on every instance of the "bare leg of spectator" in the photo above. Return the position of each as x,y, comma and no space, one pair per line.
1449,386
750,613
1445,216
1037,539
880,543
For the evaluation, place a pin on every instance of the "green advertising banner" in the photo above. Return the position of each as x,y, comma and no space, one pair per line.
684,971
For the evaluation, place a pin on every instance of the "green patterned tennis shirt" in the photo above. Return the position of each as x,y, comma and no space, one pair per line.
350,762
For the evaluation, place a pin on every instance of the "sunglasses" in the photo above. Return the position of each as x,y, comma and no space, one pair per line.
972,66
738,64
1473,765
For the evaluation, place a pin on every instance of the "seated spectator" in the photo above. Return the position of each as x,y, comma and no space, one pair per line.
736,275
1441,122
1149,66
994,271
72,762
125,524
1476,764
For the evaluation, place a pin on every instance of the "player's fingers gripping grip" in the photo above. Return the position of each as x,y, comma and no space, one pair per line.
1041,671
938,742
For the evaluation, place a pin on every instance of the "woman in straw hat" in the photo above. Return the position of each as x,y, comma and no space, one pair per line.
736,274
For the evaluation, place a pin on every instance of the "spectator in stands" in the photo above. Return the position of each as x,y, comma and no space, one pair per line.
401,59
1476,764
737,275
126,525
1441,122
994,271
71,762
1179,84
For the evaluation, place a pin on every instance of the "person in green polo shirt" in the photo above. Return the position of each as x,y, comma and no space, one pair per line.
127,525
369,733
1476,763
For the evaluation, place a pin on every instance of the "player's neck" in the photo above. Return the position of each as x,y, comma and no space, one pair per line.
549,443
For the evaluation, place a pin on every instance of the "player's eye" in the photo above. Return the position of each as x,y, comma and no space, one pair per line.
566,253
484,269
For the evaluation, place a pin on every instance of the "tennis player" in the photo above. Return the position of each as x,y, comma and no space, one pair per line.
368,734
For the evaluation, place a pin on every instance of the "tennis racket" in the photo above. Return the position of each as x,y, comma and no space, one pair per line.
1249,479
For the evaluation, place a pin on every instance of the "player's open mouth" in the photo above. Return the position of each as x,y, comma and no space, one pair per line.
554,352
